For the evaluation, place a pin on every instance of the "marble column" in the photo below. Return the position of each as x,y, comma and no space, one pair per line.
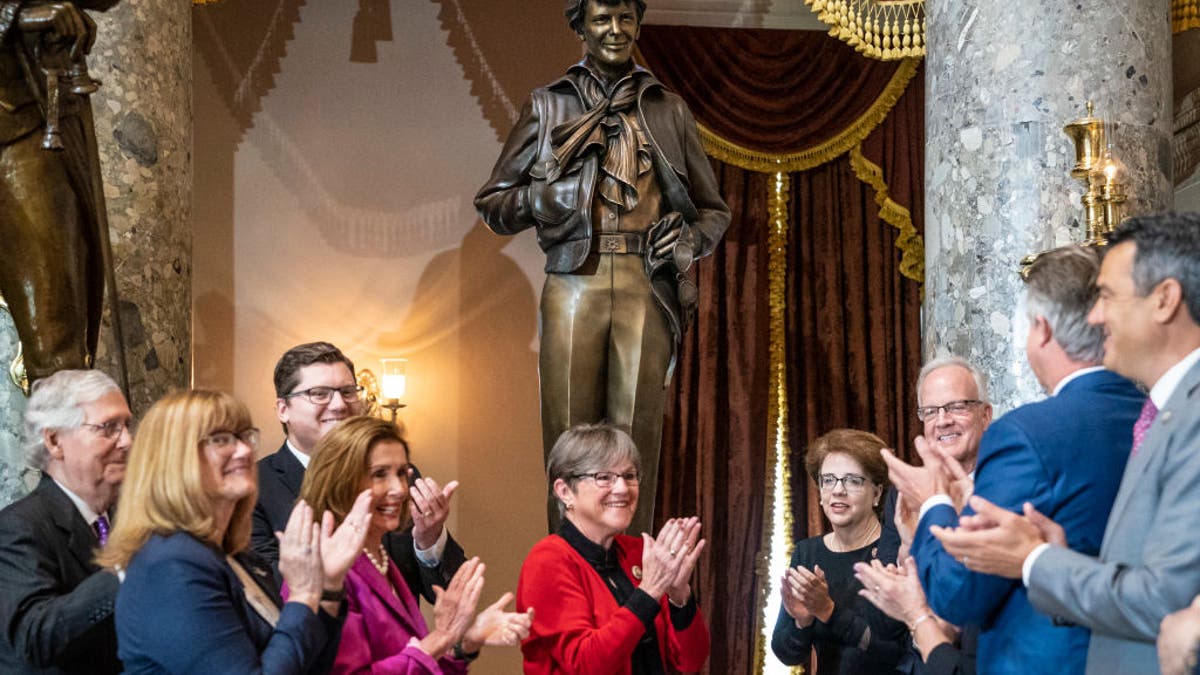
143,113
1001,81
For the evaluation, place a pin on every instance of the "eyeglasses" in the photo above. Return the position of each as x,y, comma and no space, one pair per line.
224,440
323,395
956,408
110,429
851,482
605,479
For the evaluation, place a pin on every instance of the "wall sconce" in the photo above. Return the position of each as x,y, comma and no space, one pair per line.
393,384
385,391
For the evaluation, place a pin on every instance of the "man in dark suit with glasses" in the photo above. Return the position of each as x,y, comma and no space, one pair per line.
56,604
315,389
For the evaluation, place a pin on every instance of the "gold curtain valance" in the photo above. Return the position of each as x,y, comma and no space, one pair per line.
908,240
1185,15
881,29
895,29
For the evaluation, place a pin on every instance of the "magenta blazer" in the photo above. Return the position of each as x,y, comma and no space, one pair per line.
382,627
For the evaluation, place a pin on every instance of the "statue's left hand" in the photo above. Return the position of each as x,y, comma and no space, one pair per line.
65,21
665,233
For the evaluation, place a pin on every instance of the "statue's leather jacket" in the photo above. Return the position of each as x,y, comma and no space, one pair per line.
517,196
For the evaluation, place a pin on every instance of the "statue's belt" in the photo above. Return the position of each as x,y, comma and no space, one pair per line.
619,242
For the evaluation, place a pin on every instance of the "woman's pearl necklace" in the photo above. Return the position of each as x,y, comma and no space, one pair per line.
382,563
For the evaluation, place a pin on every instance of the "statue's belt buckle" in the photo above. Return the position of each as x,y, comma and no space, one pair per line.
625,242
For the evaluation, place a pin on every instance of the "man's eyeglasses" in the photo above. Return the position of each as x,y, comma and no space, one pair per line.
110,429
956,408
323,395
605,479
223,440
852,482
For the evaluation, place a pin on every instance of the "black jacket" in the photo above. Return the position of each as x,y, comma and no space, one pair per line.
56,604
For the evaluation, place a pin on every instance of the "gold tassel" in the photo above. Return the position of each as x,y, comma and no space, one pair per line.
880,29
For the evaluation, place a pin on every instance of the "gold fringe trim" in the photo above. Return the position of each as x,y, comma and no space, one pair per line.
880,29
803,160
1185,15
778,451
912,244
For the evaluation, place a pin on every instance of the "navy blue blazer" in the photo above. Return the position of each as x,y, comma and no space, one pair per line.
1065,454
182,609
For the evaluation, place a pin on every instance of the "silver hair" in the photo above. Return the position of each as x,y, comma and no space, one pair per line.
57,403
585,448
1060,286
944,360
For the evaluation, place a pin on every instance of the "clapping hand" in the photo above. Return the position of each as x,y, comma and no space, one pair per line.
454,608
996,540
495,627
341,547
812,590
300,556
670,557
429,506
896,591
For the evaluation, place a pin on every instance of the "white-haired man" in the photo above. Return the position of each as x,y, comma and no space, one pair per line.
56,604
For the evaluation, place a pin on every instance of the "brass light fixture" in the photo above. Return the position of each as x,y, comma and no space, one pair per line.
1103,177
385,391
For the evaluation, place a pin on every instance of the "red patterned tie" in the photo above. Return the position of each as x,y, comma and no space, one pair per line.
101,526
1142,425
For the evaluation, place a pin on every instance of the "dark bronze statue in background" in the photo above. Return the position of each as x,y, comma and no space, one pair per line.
53,233
608,166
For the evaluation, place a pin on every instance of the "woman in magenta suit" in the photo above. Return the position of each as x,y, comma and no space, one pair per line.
606,603
384,631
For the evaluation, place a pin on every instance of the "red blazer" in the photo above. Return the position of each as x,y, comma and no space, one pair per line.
578,628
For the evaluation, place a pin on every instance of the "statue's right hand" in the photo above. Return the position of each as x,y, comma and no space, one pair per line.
64,20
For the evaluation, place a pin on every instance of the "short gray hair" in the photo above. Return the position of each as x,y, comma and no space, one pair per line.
944,360
57,403
1060,286
585,448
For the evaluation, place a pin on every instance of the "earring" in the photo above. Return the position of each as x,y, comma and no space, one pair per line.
570,507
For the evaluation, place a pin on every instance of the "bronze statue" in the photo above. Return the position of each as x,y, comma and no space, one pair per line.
607,165
52,225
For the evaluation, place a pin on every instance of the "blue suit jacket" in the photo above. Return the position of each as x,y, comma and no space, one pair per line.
1065,454
182,609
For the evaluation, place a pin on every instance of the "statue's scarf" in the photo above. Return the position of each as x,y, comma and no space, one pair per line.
605,127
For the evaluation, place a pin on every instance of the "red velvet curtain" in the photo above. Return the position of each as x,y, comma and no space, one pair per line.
852,320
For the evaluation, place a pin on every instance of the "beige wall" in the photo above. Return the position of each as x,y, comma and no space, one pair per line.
333,201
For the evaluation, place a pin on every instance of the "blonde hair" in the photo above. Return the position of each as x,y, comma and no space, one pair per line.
340,462
164,491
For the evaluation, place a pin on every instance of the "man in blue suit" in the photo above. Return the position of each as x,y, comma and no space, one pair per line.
1149,562
1064,454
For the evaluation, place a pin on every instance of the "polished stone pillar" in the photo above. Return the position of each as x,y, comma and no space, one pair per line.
143,114
1001,81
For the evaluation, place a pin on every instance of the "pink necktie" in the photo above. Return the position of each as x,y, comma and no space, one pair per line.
101,526
1142,425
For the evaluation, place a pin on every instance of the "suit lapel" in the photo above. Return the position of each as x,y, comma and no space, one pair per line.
290,470
1156,442
401,604
80,538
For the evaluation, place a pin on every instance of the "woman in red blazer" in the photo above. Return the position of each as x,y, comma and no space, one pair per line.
384,631
607,603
